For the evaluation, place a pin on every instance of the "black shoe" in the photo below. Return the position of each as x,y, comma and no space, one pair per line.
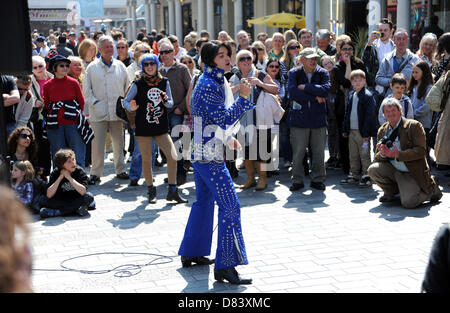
82,210
175,196
231,275
387,198
46,212
93,180
157,163
134,182
123,176
151,194
296,186
201,260
318,185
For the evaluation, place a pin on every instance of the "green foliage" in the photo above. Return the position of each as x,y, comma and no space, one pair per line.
360,38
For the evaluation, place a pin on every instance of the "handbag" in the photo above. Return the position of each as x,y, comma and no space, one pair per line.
120,110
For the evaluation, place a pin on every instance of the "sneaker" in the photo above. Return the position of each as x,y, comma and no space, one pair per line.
296,186
46,212
123,175
151,192
93,180
82,210
349,180
365,181
134,182
92,206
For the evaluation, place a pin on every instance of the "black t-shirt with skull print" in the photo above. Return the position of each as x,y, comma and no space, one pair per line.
151,116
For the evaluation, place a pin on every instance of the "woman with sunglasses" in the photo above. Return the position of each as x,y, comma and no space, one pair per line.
214,110
150,97
260,81
291,51
261,55
139,49
39,78
341,74
22,145
189,62
64,105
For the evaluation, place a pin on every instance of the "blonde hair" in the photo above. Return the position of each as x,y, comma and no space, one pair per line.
259,44
84,47
242,53
286,58
136,51
78,59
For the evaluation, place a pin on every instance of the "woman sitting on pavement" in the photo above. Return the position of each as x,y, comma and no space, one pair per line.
150,97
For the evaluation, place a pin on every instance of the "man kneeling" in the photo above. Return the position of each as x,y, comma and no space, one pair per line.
67,188
401,166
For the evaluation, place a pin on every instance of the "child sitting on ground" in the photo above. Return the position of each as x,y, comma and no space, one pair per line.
67,188
22,175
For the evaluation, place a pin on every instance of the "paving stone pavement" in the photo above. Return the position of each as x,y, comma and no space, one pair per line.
338,241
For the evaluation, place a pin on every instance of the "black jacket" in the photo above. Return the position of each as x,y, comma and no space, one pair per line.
367,117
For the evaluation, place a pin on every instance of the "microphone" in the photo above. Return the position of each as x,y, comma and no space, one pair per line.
237,72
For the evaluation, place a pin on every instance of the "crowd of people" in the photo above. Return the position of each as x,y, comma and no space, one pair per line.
64,117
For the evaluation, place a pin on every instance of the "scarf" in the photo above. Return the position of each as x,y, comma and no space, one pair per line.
151,80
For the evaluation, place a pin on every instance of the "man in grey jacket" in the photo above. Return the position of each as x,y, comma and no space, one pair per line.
400,60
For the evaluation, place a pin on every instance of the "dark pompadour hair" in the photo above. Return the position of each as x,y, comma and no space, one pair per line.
211,49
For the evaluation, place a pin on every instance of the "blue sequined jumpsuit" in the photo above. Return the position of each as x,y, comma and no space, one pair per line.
212,180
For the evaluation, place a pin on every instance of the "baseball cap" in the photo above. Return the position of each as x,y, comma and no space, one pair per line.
309,53
40,39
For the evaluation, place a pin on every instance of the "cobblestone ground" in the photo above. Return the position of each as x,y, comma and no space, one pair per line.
340,240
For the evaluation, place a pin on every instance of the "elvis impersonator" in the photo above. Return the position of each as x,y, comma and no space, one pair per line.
214,112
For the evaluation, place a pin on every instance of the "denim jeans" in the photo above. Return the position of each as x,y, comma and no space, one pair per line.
67,136
174,120
136,159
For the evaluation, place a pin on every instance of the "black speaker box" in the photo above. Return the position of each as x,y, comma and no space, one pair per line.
15,34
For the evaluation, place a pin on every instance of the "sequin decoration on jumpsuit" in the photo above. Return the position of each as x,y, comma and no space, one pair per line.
212,179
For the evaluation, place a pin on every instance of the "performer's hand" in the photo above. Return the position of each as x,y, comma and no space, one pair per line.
234,144
245,88
133,105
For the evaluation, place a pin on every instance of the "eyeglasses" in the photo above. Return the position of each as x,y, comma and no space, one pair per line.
25,136
243,59
149,63
64,65
294,47
166,51
347,49
187,62
273,66
144,51
260,49
121,47
39,66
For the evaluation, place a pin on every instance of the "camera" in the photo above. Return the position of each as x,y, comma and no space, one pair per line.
386,141
379,35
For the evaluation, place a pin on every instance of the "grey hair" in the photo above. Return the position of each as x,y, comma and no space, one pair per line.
389,102
399,31
323,34
104,38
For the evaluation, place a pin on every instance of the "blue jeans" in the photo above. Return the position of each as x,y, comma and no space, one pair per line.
136,159
67,136
9,128
174,120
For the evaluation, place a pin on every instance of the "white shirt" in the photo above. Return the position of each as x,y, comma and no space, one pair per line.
383,50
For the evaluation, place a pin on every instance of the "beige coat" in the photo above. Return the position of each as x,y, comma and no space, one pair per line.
102,86
433,100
